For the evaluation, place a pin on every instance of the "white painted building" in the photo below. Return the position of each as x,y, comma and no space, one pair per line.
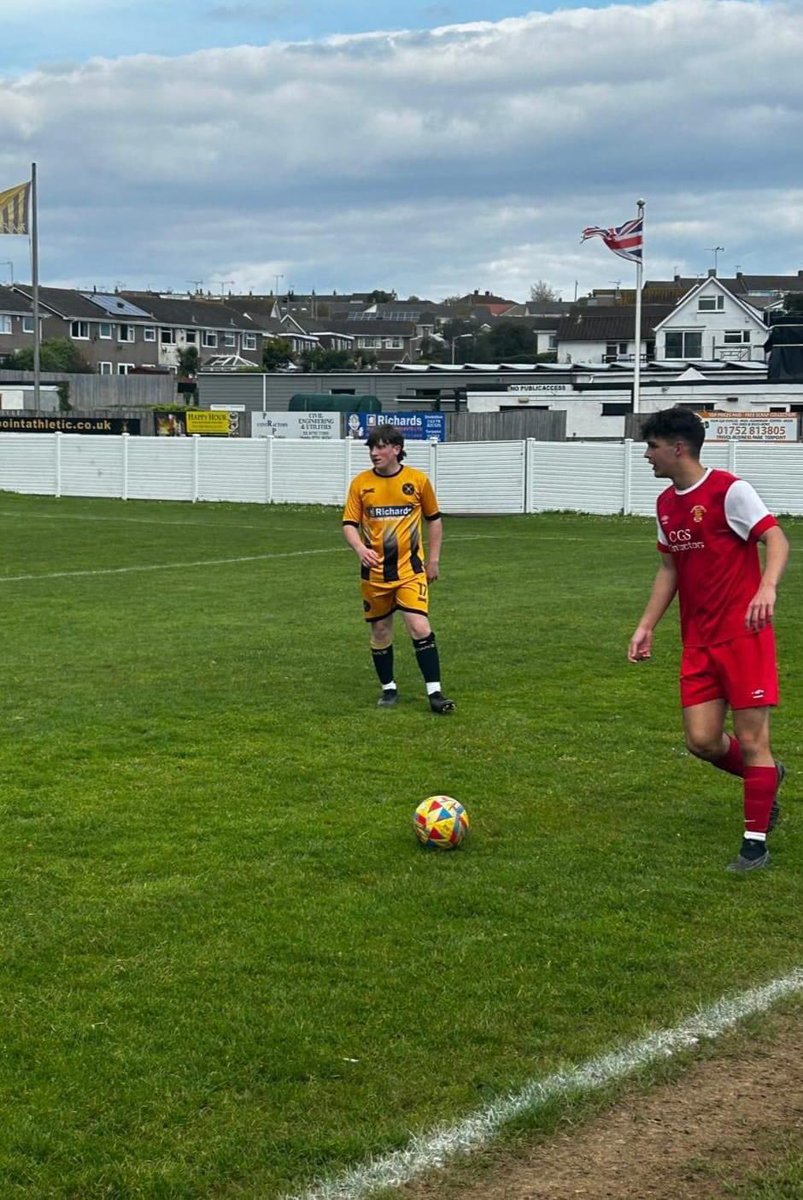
597,400
711,323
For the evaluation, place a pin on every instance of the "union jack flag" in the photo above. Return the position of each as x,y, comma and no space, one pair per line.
625,240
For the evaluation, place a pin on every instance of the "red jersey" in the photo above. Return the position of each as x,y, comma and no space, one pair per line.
711,530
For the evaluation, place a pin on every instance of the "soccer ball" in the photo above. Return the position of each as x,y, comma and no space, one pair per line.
441,822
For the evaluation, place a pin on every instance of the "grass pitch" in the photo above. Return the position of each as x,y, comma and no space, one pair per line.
227,966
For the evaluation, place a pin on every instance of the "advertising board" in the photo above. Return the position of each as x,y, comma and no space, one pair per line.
426,426
750,427
58,423
304,425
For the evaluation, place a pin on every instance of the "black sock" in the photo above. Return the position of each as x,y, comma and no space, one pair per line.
752,848
383,663
427,654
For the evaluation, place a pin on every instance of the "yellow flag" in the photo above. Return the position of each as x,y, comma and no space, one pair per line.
14,209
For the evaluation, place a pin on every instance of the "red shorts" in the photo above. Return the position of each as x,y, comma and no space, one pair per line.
743,672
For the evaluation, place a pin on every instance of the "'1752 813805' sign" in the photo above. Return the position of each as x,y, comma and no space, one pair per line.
750,427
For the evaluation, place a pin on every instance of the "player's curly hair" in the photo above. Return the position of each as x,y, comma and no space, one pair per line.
674,424
386,435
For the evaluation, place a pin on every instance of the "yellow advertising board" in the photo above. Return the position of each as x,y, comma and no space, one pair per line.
215,423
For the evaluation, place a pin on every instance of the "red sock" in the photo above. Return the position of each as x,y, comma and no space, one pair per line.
731,760
760,786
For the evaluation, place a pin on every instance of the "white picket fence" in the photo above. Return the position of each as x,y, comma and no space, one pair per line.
470,477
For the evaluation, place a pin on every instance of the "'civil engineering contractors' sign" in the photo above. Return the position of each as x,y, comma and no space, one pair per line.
306,425
750,427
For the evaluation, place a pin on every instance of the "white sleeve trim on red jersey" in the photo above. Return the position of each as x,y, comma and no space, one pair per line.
744,508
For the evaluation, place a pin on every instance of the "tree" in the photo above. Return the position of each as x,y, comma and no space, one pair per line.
189,360
793,302
57,354
377,296
508,340
327,360
543,293
276,353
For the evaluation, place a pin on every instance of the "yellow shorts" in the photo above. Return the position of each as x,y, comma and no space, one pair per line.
381,599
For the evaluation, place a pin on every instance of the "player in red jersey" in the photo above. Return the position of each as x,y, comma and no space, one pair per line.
709,526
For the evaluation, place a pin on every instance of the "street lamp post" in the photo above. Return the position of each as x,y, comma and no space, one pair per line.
459,338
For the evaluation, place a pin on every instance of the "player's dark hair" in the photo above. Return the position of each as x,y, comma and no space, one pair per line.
386,435
676,424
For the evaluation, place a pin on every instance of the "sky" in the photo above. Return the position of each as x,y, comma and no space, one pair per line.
426,148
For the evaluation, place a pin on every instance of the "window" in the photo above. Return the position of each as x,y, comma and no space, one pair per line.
710,303
249,341
105,330
149,334
393,343
5,324
615,408
229,339
553,342
209,338
191,337
125,333
105,368
684,343
124,368
736,337
167,336
80,330
27,324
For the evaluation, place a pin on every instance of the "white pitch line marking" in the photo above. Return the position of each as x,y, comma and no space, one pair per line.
436,1149
174,566
219,562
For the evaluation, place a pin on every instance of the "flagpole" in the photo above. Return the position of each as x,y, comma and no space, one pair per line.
35,288
637,365
640,267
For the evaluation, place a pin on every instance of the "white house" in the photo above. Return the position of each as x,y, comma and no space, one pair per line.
710,323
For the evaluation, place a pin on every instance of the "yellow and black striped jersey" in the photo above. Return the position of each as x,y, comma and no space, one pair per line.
388,510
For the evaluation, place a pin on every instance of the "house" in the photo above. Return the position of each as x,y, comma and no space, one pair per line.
113,336
596,334
495,305
16,321
710,323
211,326
391,341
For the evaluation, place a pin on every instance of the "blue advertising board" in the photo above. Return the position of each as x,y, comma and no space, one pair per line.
423,426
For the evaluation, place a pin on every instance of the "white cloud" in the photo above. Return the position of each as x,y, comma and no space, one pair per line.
469,156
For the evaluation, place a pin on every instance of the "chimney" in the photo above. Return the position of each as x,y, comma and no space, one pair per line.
712,272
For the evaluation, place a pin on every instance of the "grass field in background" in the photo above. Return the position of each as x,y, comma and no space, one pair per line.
227,967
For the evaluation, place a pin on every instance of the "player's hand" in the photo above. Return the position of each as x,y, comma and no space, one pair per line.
369,557
640,648
433,570
761,608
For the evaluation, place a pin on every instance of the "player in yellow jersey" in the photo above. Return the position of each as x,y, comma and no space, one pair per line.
382,522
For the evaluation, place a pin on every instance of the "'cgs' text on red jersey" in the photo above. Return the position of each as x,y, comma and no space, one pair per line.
711,530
